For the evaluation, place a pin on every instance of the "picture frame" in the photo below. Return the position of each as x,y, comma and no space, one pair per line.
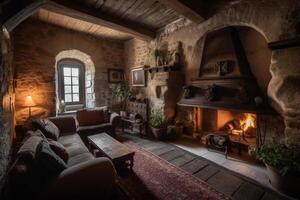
115,75
138,77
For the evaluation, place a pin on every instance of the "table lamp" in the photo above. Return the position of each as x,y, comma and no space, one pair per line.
29,103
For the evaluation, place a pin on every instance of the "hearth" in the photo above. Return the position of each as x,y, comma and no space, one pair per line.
225,98
241,128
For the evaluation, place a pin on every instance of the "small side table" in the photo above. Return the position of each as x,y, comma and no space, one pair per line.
141,126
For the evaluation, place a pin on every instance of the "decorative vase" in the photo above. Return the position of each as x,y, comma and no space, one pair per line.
159,133
288,184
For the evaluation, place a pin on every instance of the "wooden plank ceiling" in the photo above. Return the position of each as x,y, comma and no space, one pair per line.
115,19
148,13
81,26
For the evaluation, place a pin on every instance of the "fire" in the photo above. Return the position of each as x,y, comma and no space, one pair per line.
248,121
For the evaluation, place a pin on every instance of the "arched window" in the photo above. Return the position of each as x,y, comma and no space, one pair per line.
71,73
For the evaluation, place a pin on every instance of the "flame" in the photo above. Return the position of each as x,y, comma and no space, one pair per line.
248,121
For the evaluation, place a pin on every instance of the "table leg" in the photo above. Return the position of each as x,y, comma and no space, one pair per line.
123,126
90,146
131,163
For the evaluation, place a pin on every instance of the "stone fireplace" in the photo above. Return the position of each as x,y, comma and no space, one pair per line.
226,97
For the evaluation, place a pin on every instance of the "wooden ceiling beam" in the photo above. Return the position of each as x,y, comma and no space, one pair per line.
14,18
77,11
191,10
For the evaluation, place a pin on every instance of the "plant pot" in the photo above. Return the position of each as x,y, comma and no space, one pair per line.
159,133
287,184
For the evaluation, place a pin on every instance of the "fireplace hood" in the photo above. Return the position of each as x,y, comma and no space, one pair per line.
225,78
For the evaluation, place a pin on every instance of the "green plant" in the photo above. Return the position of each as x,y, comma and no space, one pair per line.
286,159
156,119
121,92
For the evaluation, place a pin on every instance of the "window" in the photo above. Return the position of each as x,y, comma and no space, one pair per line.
71,81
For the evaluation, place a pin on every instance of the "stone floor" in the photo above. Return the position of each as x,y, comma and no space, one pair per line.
212,168
234,162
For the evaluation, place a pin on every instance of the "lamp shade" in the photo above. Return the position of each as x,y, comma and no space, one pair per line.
29,102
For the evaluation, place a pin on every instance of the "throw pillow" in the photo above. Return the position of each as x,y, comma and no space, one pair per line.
30,145
48,128
47,162
59,149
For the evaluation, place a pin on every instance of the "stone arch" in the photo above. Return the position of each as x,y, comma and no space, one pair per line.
284,65
89,74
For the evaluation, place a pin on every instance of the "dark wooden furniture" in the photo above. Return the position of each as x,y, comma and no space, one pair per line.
117,152
132,125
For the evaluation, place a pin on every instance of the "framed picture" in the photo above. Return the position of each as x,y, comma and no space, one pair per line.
138,77
115,75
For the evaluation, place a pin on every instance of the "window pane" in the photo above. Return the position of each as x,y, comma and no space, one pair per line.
76,89
75,72
68,89
67,80
75,97
75,81
68,98
67,71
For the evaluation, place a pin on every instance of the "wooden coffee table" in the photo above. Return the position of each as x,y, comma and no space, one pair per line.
117,152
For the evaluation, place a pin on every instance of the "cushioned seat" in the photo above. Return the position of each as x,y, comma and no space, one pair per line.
83,157
98,127
80,175
73,145
76,149
69,139
96,120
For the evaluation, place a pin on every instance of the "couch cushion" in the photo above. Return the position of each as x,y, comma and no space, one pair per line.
76,149
94,128
59,150
47,162
65,124
87,117
48,128
69,139
30,144
83,157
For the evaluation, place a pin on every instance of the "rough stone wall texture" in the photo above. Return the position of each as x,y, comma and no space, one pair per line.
274,20
36,45
6,99
163,88
136,55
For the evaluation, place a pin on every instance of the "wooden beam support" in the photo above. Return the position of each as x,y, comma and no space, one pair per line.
23,14
185,10
77,11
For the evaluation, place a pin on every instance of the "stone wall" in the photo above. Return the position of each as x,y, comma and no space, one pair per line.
162,89
36,46
6,99
274,20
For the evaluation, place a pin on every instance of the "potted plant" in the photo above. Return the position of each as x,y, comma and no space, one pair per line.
157,124
283,166
120,93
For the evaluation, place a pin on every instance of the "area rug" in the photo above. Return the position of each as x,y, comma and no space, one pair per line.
155,178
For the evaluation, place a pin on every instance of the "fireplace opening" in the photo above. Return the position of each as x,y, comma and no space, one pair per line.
240,127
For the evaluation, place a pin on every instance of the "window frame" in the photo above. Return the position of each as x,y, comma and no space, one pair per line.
61,85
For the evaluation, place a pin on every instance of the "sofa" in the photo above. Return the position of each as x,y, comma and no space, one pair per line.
96,120
83,177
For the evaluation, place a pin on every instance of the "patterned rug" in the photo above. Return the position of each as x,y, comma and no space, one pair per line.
154,178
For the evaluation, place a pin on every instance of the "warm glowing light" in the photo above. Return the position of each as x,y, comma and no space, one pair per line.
29,102
248,121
